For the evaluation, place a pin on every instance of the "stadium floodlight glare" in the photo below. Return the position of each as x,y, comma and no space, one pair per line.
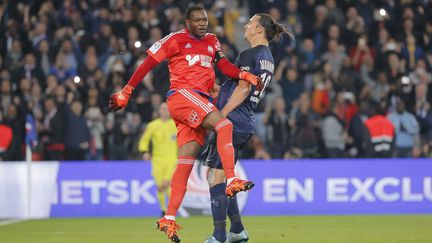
405,80
382,12
137,44
77,79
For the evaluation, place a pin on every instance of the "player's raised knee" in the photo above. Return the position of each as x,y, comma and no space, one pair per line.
223,123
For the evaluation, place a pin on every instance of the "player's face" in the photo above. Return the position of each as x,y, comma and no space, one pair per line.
163,111
198,22
252,28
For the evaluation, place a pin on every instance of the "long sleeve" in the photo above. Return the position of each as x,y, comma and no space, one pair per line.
142,71
365,76
144,142
412,127
228,69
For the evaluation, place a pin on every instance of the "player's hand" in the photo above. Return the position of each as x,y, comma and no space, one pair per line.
120,99
214,92
254,80
146,156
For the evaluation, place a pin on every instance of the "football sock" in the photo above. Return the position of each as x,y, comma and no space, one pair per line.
161,198
170,217
224,146
168,193
230,180
179,184
219,205
234,215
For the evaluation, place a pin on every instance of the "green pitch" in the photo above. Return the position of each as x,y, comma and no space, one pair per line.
310,229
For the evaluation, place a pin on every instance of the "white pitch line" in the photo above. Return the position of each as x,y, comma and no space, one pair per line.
11,221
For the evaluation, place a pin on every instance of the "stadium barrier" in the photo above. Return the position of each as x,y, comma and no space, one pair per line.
295,187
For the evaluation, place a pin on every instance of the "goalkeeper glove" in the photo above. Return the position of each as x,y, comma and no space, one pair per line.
120,99
254,80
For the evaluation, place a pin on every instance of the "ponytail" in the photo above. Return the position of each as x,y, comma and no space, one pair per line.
272,29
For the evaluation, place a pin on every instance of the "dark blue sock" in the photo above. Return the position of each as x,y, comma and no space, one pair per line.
219,204
234,215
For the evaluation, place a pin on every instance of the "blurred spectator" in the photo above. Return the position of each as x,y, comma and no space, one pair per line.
15,121
381,133
334,56
365,10
255,149
349,79
355,25
279,128
333,134
362,52
346,107
334,12
411,51
376,89
95,123
5,95
291,84
406,127
420,74
77,133
71,53
14,56
119,135
29,70
53,133
293,18
44,56
423,113
358,133
90,67
395,67
308,55
6,135
307,129
61,69
321,93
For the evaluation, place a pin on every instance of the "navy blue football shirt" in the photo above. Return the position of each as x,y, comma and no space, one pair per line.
259,61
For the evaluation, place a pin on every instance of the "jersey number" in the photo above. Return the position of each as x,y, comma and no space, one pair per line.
257,95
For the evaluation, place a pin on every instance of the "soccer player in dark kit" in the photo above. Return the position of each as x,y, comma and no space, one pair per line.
237,100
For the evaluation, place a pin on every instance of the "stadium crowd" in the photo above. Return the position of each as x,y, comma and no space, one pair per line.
356,82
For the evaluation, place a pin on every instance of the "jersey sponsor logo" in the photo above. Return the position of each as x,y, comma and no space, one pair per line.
188,45
245,68
155,47
210,49
205,61
193,118
192,60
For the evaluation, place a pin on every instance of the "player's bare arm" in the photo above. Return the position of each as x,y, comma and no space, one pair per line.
241,92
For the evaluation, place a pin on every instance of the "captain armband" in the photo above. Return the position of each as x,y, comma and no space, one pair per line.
218,56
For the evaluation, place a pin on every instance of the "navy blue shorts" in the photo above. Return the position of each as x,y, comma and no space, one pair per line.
211,156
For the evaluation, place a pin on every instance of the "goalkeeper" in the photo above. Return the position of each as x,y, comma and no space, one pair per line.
161,133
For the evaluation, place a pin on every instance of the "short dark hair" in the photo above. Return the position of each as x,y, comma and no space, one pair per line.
377,108
192,8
